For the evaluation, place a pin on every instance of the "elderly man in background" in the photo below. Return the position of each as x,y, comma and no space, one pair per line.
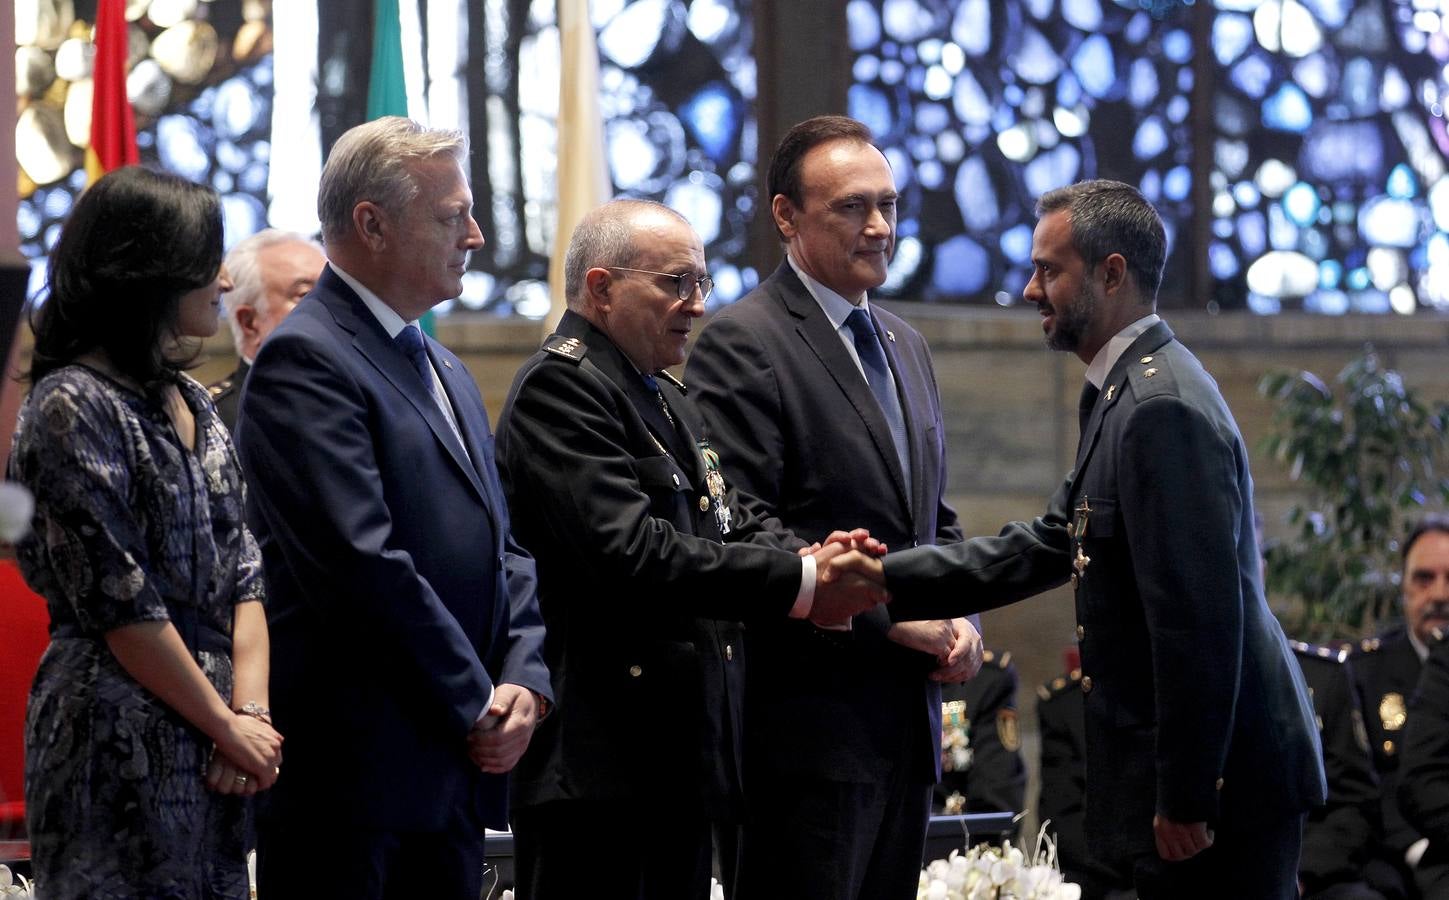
271,271
406,667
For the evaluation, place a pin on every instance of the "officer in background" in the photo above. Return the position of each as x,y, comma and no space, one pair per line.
1424,787
981,766
1339,837
1386,671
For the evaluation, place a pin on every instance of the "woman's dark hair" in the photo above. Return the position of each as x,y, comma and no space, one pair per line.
135,242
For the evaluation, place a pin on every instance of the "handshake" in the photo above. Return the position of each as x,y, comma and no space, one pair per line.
849,577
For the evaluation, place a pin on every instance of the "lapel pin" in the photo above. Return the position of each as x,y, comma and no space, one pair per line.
890,336
1111,389
447,364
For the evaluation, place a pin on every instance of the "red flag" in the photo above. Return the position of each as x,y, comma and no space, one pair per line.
113,126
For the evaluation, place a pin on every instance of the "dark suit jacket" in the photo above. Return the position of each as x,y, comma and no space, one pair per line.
637,585
1195,708
801,434
397,598
226,395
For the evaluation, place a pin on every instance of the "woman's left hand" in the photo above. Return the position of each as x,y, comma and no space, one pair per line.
225,777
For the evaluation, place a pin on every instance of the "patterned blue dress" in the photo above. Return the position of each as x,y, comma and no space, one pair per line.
129,527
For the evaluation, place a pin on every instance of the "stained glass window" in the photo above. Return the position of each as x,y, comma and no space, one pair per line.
199,81
1328,177
983,105
677,95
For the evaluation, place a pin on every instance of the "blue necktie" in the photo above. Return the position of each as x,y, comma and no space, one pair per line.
882,385
410,342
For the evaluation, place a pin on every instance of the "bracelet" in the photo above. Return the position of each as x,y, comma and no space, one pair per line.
256,711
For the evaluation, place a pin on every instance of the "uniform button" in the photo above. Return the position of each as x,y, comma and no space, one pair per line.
635,671
1219,784
676,480
1145,360
1388,748
729,651
1086,684
1081,632
704,504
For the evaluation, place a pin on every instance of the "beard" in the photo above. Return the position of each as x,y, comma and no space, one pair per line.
1073,321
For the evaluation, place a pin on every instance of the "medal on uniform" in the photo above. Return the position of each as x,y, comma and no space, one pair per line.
715,483
1079,532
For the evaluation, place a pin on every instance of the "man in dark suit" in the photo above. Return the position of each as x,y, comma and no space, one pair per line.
647,564
1424,787
406,637
825,410
271,272
1202,755
1386,670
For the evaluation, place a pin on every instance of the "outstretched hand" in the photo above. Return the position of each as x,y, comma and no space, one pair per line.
841,595
855,539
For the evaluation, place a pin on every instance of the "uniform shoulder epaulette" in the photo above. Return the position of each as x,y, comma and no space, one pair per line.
678,385
569,348
1059,685
219,388
995,660
1151,375
1316,651
1369,645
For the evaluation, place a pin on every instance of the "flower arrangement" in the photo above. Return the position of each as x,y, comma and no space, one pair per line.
987,872
11,890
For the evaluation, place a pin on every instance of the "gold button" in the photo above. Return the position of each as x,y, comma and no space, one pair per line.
1074,581
704,504
635,671
1149,373
1081,632
1086,684
729,651
1388,748
1219,785
1145,360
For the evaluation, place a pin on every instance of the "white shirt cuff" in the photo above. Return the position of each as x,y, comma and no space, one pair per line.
805,599
487,706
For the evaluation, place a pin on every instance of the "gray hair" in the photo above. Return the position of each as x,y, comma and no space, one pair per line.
1111,217
246,275
605,237
371,163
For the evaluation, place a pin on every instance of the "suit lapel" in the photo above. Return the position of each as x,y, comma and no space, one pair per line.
824,341
375,346
1147,342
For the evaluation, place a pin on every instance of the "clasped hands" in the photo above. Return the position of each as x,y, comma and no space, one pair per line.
247,757
497,740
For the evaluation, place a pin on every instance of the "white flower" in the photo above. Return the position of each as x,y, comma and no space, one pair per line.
25,890
16,509
716,890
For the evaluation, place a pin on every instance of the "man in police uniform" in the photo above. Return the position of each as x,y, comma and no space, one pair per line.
1202,755
1339,836
1386,670
271,271
981,766
1424,788
647,564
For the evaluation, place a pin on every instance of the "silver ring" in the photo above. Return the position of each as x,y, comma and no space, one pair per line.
241,779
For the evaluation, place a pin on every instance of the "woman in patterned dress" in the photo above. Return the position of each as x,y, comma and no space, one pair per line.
147,726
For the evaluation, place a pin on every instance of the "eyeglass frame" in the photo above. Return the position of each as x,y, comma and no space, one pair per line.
703,283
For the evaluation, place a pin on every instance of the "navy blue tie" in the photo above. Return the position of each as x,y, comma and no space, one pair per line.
882,385
410,342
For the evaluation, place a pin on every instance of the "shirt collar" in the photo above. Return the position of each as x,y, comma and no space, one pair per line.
1421,648
1107,357
386,316
835,307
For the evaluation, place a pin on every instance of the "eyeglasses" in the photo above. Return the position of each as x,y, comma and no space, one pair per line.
684,285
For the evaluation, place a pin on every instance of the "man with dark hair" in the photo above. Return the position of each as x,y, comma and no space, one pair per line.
407,668
825,410
1202,755
648,563
1387,669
